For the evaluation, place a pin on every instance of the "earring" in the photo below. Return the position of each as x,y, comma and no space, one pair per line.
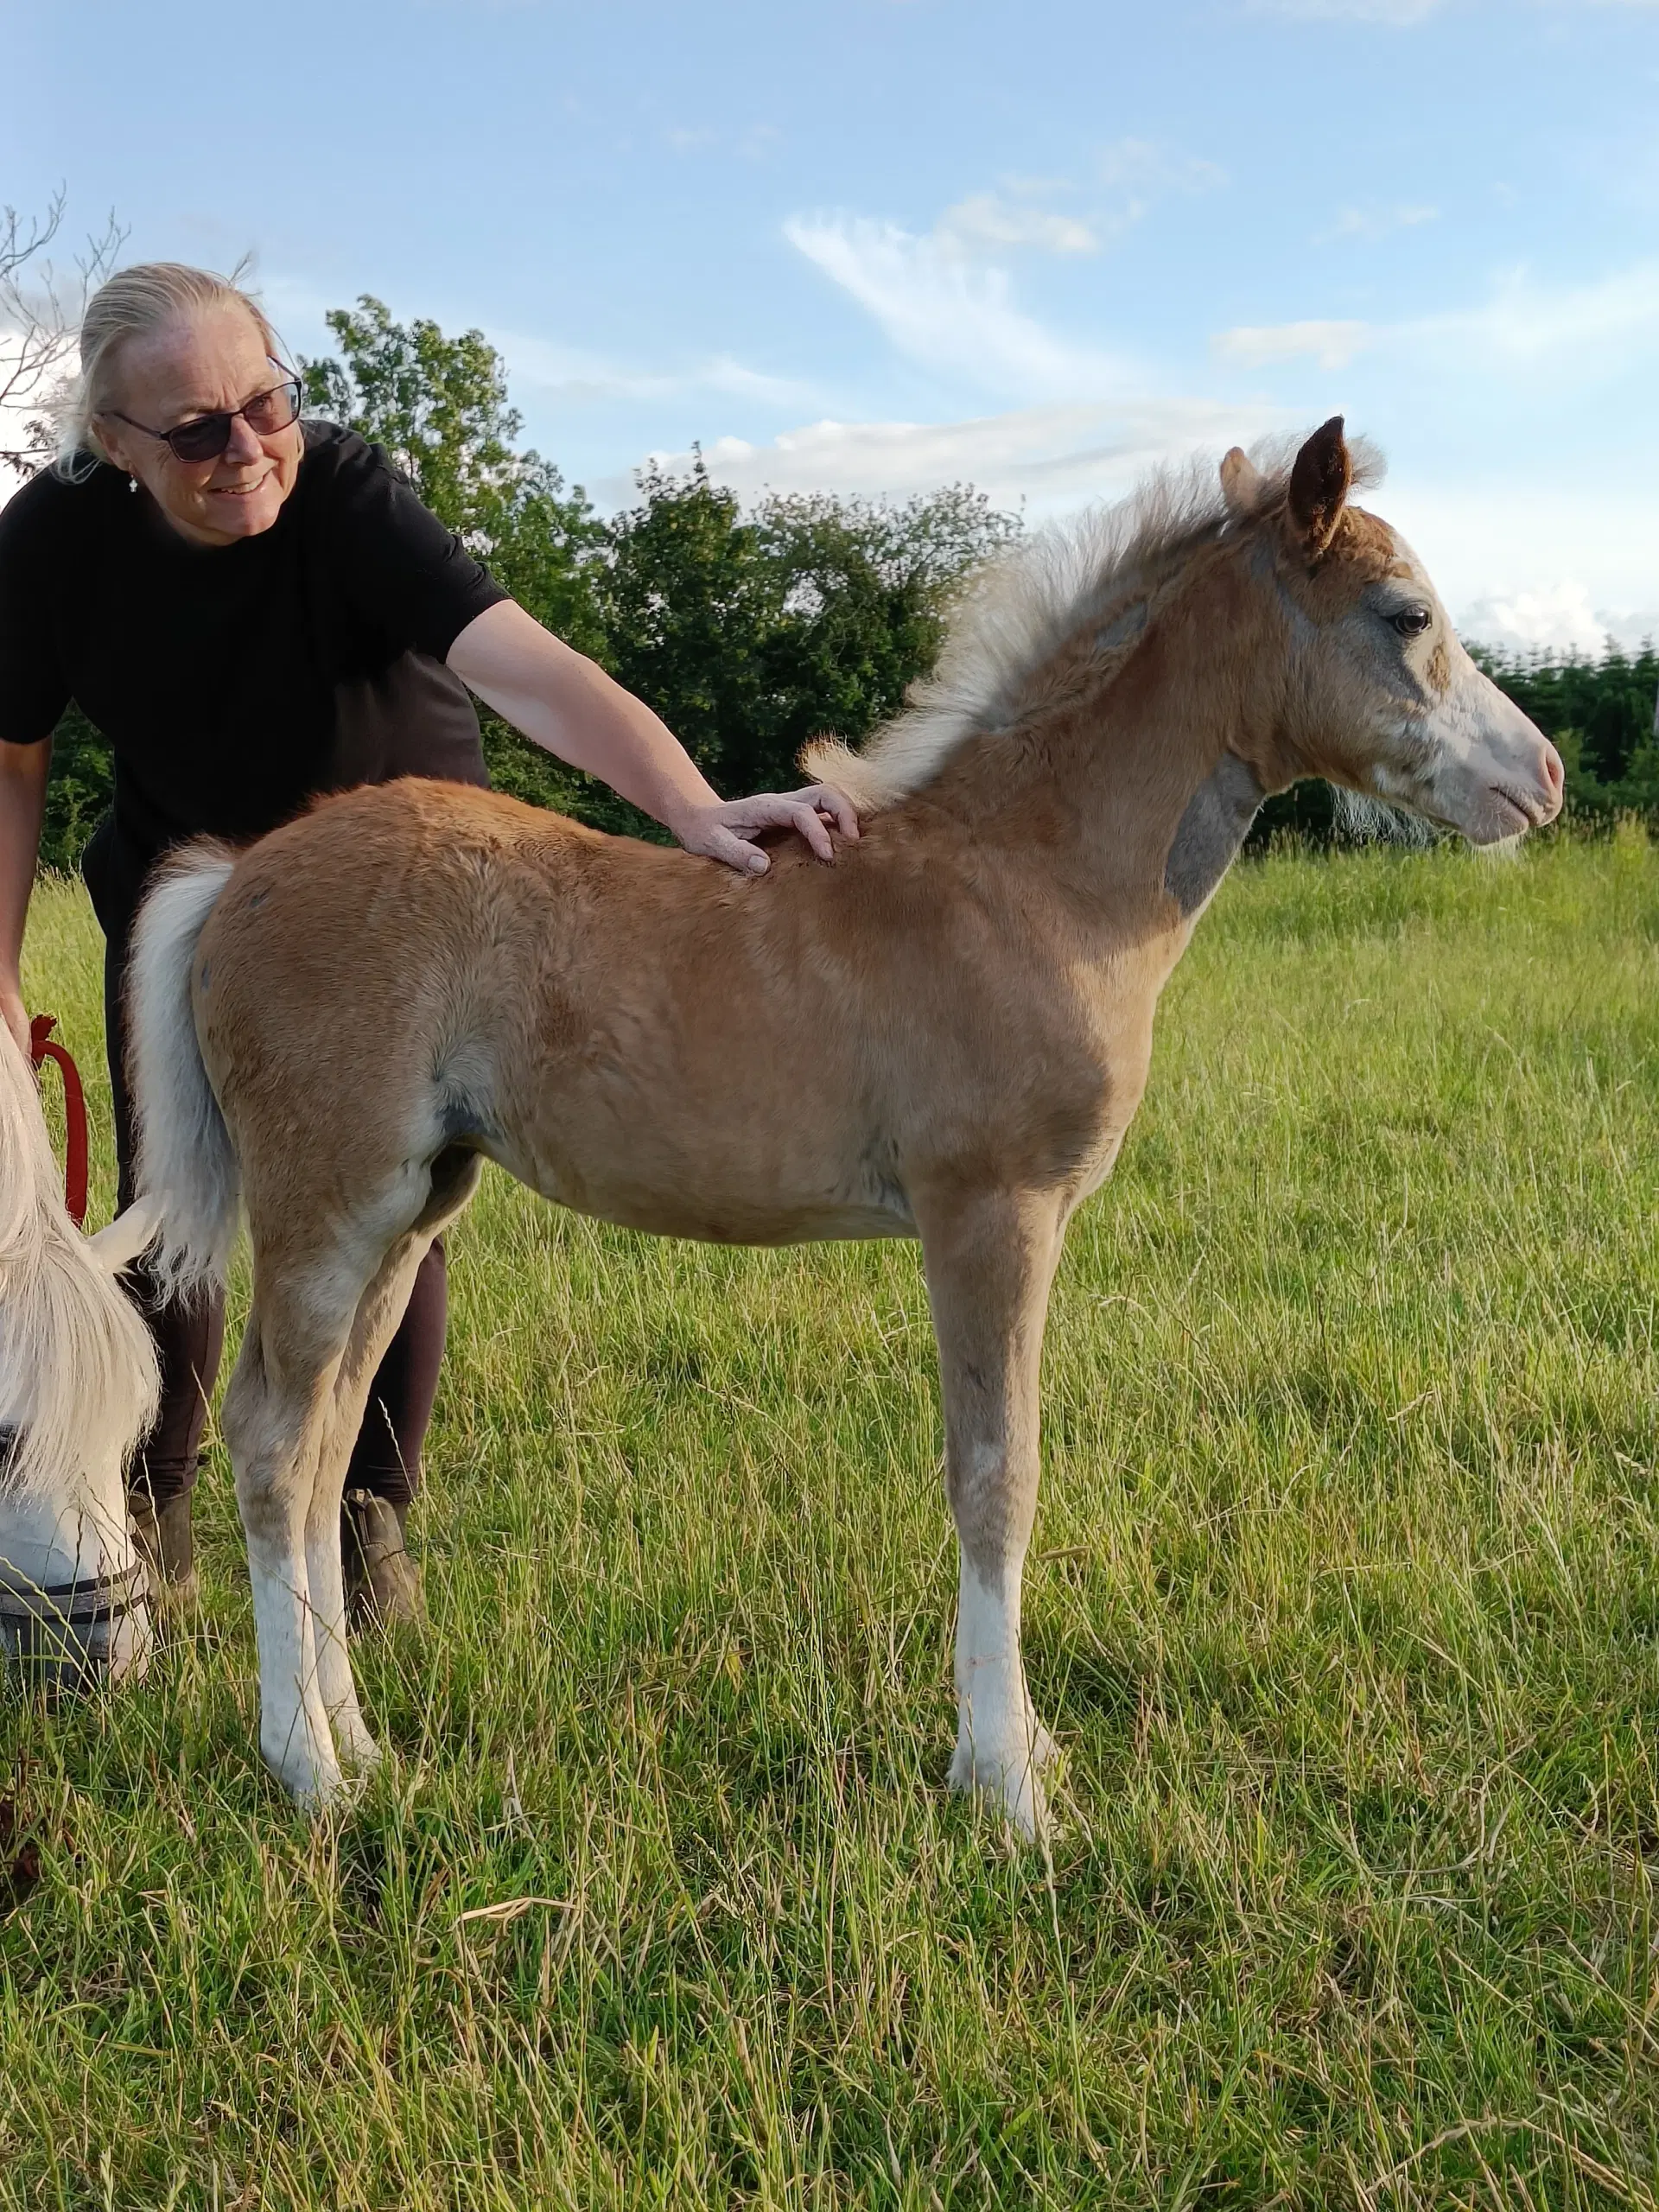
132,483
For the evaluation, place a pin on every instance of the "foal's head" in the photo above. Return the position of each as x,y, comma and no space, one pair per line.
1383,698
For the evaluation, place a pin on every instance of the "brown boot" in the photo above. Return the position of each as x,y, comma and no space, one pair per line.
166,1546
383,1582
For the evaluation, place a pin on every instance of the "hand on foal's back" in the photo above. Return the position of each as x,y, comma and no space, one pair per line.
723,832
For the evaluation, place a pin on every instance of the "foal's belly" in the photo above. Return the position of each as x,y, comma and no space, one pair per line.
695,1199
736,1225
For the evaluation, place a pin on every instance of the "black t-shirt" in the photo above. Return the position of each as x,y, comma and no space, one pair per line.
236,683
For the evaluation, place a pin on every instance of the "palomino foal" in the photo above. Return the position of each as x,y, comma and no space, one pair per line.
943,1036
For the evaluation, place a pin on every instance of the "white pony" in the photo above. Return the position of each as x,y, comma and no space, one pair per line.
77,1388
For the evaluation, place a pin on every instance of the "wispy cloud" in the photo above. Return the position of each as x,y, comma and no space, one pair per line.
1045,458
752,144
1404,13
946,310
994,221
1371,223
945,298
1150,166
1557,618
1598,324
1332,345
1570,328
1527,550
569,374
1398,12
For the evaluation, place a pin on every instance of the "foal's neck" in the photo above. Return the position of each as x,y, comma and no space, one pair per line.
1096,776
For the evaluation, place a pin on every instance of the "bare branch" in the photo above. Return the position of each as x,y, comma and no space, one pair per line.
40,309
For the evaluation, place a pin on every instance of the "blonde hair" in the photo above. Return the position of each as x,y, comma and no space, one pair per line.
133,303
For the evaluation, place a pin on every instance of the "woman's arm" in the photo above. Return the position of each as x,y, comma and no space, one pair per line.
23,809
564,703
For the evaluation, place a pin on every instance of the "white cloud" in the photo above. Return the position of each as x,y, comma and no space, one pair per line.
988,220
945,299
1403,13
951,313
1333,345
1526,321
1371,223
1554,617
1397,12
1599,327
1047,458
569,374
1528,552
754,144
1147,165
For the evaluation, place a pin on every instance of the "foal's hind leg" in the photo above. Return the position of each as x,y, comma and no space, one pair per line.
278,1414
378,1313
450,1181
990,1260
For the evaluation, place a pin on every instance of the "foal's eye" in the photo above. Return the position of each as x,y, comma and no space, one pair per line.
1411,621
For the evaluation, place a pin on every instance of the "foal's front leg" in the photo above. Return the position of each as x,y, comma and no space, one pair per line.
990,1260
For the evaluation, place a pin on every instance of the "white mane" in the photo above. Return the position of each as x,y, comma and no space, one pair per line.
1021,610
78,1381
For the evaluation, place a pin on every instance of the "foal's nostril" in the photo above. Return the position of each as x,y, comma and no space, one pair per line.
1554,774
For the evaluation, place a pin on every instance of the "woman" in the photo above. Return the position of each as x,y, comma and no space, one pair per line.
254,611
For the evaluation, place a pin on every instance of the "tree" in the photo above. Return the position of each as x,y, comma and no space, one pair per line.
81,786
40,309
750,634
865,589
689,608
1600,715
439,406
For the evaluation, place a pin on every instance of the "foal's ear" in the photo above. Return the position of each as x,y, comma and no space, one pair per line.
1241,482
1318,487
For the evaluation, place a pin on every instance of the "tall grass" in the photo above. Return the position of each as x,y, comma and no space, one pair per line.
1343,1606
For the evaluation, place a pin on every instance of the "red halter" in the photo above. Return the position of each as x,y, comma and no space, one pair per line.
74,1112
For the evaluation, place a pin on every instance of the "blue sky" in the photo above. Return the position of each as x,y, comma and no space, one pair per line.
878,244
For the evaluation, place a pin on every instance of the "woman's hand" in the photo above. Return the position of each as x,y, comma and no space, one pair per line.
563,703
722,831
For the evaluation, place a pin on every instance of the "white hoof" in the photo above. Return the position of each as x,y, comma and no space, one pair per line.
358,1752
314,1784
1010,1777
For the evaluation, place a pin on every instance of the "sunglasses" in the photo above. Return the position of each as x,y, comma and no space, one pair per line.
205,436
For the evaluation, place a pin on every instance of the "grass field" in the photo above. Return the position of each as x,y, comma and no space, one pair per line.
1343,1605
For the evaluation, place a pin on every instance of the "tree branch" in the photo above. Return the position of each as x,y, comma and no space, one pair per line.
40,309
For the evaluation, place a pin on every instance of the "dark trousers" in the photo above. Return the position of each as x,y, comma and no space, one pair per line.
189,1337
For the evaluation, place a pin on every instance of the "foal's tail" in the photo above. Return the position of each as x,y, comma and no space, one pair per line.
187,1166
77,1367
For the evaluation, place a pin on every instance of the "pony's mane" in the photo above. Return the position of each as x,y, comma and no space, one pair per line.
1019,611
